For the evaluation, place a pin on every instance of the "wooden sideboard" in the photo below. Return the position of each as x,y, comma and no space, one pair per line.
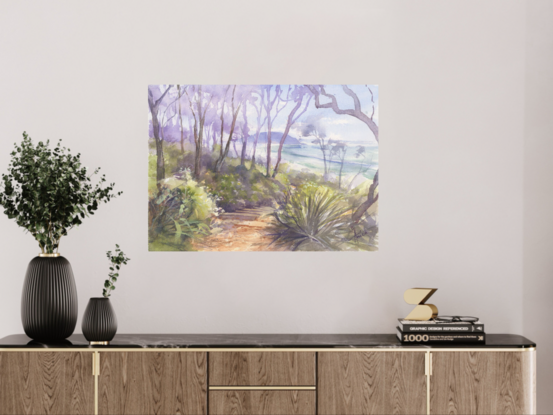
215,378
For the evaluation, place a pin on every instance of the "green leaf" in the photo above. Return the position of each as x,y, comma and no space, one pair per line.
47,191
178,232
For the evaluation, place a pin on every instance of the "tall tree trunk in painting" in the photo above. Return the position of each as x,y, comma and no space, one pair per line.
199,138
244,134
268,159
243,152
160,162
341,168
252,166
260,125
213,140
198,155
340,149
221,146
207,133
163,125
224,151
154,108
195,128
324,147
268,108
231,133
190,130
356,112
180,123
292,118
198,112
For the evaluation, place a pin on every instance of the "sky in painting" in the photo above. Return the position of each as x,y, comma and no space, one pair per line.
338,127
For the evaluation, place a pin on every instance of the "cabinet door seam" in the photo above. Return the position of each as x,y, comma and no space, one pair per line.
428,373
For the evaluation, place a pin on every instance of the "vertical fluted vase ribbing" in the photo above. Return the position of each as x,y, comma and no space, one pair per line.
49,306
99,320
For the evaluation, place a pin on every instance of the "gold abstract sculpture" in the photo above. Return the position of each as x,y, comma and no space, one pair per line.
418,297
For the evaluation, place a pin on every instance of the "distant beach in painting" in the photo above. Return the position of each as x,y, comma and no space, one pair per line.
263,168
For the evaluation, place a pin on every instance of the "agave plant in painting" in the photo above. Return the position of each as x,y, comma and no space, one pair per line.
263,168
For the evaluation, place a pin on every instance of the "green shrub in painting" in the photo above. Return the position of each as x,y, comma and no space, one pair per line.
313,217
229,190
181,210
244,188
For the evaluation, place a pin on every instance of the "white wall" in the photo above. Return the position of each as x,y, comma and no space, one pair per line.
538,193
451,78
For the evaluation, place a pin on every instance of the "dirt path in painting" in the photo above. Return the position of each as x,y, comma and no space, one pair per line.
244,230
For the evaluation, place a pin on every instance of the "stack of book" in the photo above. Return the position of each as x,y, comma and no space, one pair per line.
433,331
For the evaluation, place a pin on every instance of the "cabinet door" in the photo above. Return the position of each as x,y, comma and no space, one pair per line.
482,383
262,402
46,383
146,382
371,383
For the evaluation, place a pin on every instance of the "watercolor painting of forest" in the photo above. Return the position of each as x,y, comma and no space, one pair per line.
263,168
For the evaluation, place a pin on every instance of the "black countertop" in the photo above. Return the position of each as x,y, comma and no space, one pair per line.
217,341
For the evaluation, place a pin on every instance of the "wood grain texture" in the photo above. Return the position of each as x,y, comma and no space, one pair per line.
262,368
482,383
152,383
46,383
268,402
352,383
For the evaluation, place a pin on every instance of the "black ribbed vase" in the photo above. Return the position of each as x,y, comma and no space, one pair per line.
49,302
99,320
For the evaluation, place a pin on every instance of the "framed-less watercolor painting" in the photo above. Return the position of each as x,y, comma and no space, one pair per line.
263,168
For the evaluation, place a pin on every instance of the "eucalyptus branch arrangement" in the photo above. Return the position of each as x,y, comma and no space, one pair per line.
117,260
48,191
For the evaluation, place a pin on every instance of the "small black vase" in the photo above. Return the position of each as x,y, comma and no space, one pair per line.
99,321
49,306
